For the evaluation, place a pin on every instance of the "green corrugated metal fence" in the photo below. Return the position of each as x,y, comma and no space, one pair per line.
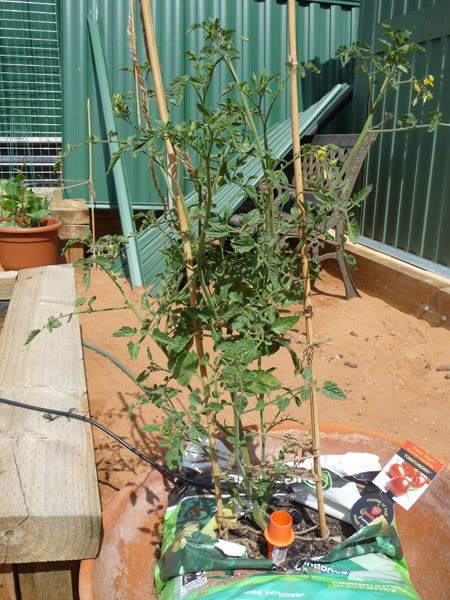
323,27
409,208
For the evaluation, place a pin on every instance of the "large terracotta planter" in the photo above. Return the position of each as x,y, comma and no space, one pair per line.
124,568
24,248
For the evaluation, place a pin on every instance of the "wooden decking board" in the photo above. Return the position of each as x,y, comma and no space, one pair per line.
50,509
7,282
7,587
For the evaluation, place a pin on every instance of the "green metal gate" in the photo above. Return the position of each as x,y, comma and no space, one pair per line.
324,25
408,212
30,89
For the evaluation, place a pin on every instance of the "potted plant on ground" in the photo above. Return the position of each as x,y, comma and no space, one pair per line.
28,235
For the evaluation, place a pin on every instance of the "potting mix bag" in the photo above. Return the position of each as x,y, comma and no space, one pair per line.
194,563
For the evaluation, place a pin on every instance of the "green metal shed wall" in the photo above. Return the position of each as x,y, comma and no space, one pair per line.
323,26
409,209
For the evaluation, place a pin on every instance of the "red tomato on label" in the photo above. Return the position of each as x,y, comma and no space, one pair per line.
376,511
419,480
409,470
398,485
396,470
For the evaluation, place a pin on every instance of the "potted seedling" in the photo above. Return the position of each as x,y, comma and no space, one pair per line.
28,235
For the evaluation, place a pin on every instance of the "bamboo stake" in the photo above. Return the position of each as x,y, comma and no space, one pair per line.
91,179
300,201
153,60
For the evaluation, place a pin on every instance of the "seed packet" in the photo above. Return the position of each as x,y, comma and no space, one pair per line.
408,474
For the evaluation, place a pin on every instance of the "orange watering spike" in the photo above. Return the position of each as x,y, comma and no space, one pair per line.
279,535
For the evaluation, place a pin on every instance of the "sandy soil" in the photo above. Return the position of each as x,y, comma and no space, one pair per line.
385,361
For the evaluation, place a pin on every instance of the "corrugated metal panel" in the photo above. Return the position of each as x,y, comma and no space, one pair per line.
409,207
151,242
324,25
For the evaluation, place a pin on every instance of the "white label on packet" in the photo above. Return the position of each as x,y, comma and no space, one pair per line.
230,548
192,581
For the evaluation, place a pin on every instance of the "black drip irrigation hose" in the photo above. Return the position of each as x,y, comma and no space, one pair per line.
94,423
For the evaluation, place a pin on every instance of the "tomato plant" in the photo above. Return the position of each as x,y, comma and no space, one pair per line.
234,285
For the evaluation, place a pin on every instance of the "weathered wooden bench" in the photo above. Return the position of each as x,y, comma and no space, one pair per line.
50,514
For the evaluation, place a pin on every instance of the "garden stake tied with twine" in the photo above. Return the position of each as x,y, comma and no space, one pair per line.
174,189
300,202
91,177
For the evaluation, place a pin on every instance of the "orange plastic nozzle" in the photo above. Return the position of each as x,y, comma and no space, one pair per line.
279,531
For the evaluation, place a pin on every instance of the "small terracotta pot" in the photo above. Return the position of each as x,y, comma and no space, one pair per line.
24,248
132,526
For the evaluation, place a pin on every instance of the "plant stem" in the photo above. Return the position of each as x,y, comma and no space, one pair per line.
124,295
243,464
262,437
411,128
305,263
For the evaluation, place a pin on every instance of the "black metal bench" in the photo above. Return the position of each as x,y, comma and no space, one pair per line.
339,147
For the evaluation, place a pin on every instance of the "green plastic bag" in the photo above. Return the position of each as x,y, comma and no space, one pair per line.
367,565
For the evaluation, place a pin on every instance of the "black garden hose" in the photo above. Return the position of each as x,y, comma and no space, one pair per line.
93,422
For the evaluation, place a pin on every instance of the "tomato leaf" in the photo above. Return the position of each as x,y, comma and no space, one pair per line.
32,335
125,332
184,367
133,350
283,324
333,391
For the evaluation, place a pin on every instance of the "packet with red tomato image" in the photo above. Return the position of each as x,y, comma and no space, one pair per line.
408,474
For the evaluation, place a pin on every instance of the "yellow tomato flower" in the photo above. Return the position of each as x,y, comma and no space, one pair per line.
428,81
416,86
320,153
427,96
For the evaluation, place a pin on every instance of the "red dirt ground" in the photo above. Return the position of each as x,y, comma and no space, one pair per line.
384,359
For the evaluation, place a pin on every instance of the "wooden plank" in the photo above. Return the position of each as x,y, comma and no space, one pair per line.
7,282
69,232
407,287
75,252
71,212
48,581
443,308
7,586
50,507
404,290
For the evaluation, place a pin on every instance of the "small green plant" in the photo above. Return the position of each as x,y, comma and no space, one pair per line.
19,205
229,296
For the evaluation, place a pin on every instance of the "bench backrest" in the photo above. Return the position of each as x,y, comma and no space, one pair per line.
340,147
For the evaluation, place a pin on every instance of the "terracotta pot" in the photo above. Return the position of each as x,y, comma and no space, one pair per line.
124,568
24,248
